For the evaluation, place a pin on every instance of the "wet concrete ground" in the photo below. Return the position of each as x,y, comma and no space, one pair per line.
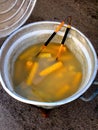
77,115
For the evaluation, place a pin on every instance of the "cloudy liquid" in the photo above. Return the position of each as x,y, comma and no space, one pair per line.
51,80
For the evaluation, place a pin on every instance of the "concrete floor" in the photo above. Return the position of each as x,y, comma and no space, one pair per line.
77,115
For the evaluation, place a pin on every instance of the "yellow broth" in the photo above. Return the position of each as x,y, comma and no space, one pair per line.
42,77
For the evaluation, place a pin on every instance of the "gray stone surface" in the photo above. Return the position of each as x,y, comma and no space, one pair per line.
77,115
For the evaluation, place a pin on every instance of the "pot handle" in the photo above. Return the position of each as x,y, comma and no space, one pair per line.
95,93
91,97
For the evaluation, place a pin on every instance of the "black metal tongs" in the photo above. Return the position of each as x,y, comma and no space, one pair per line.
51,37
69,18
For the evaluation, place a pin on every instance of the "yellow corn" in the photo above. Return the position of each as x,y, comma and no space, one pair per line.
29,64
32,73
51,68
66,57
77,79
44,55
61,50
62,91
28,53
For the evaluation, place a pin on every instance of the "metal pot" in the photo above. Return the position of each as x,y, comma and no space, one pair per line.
37,33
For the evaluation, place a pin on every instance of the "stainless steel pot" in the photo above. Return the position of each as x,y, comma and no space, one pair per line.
37,33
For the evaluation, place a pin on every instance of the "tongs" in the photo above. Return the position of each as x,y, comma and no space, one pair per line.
69,18
51,37
61,48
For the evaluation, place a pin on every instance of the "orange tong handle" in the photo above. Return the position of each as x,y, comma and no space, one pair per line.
59,26
61,49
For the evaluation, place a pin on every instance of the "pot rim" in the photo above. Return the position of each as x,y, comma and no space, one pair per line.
56,103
